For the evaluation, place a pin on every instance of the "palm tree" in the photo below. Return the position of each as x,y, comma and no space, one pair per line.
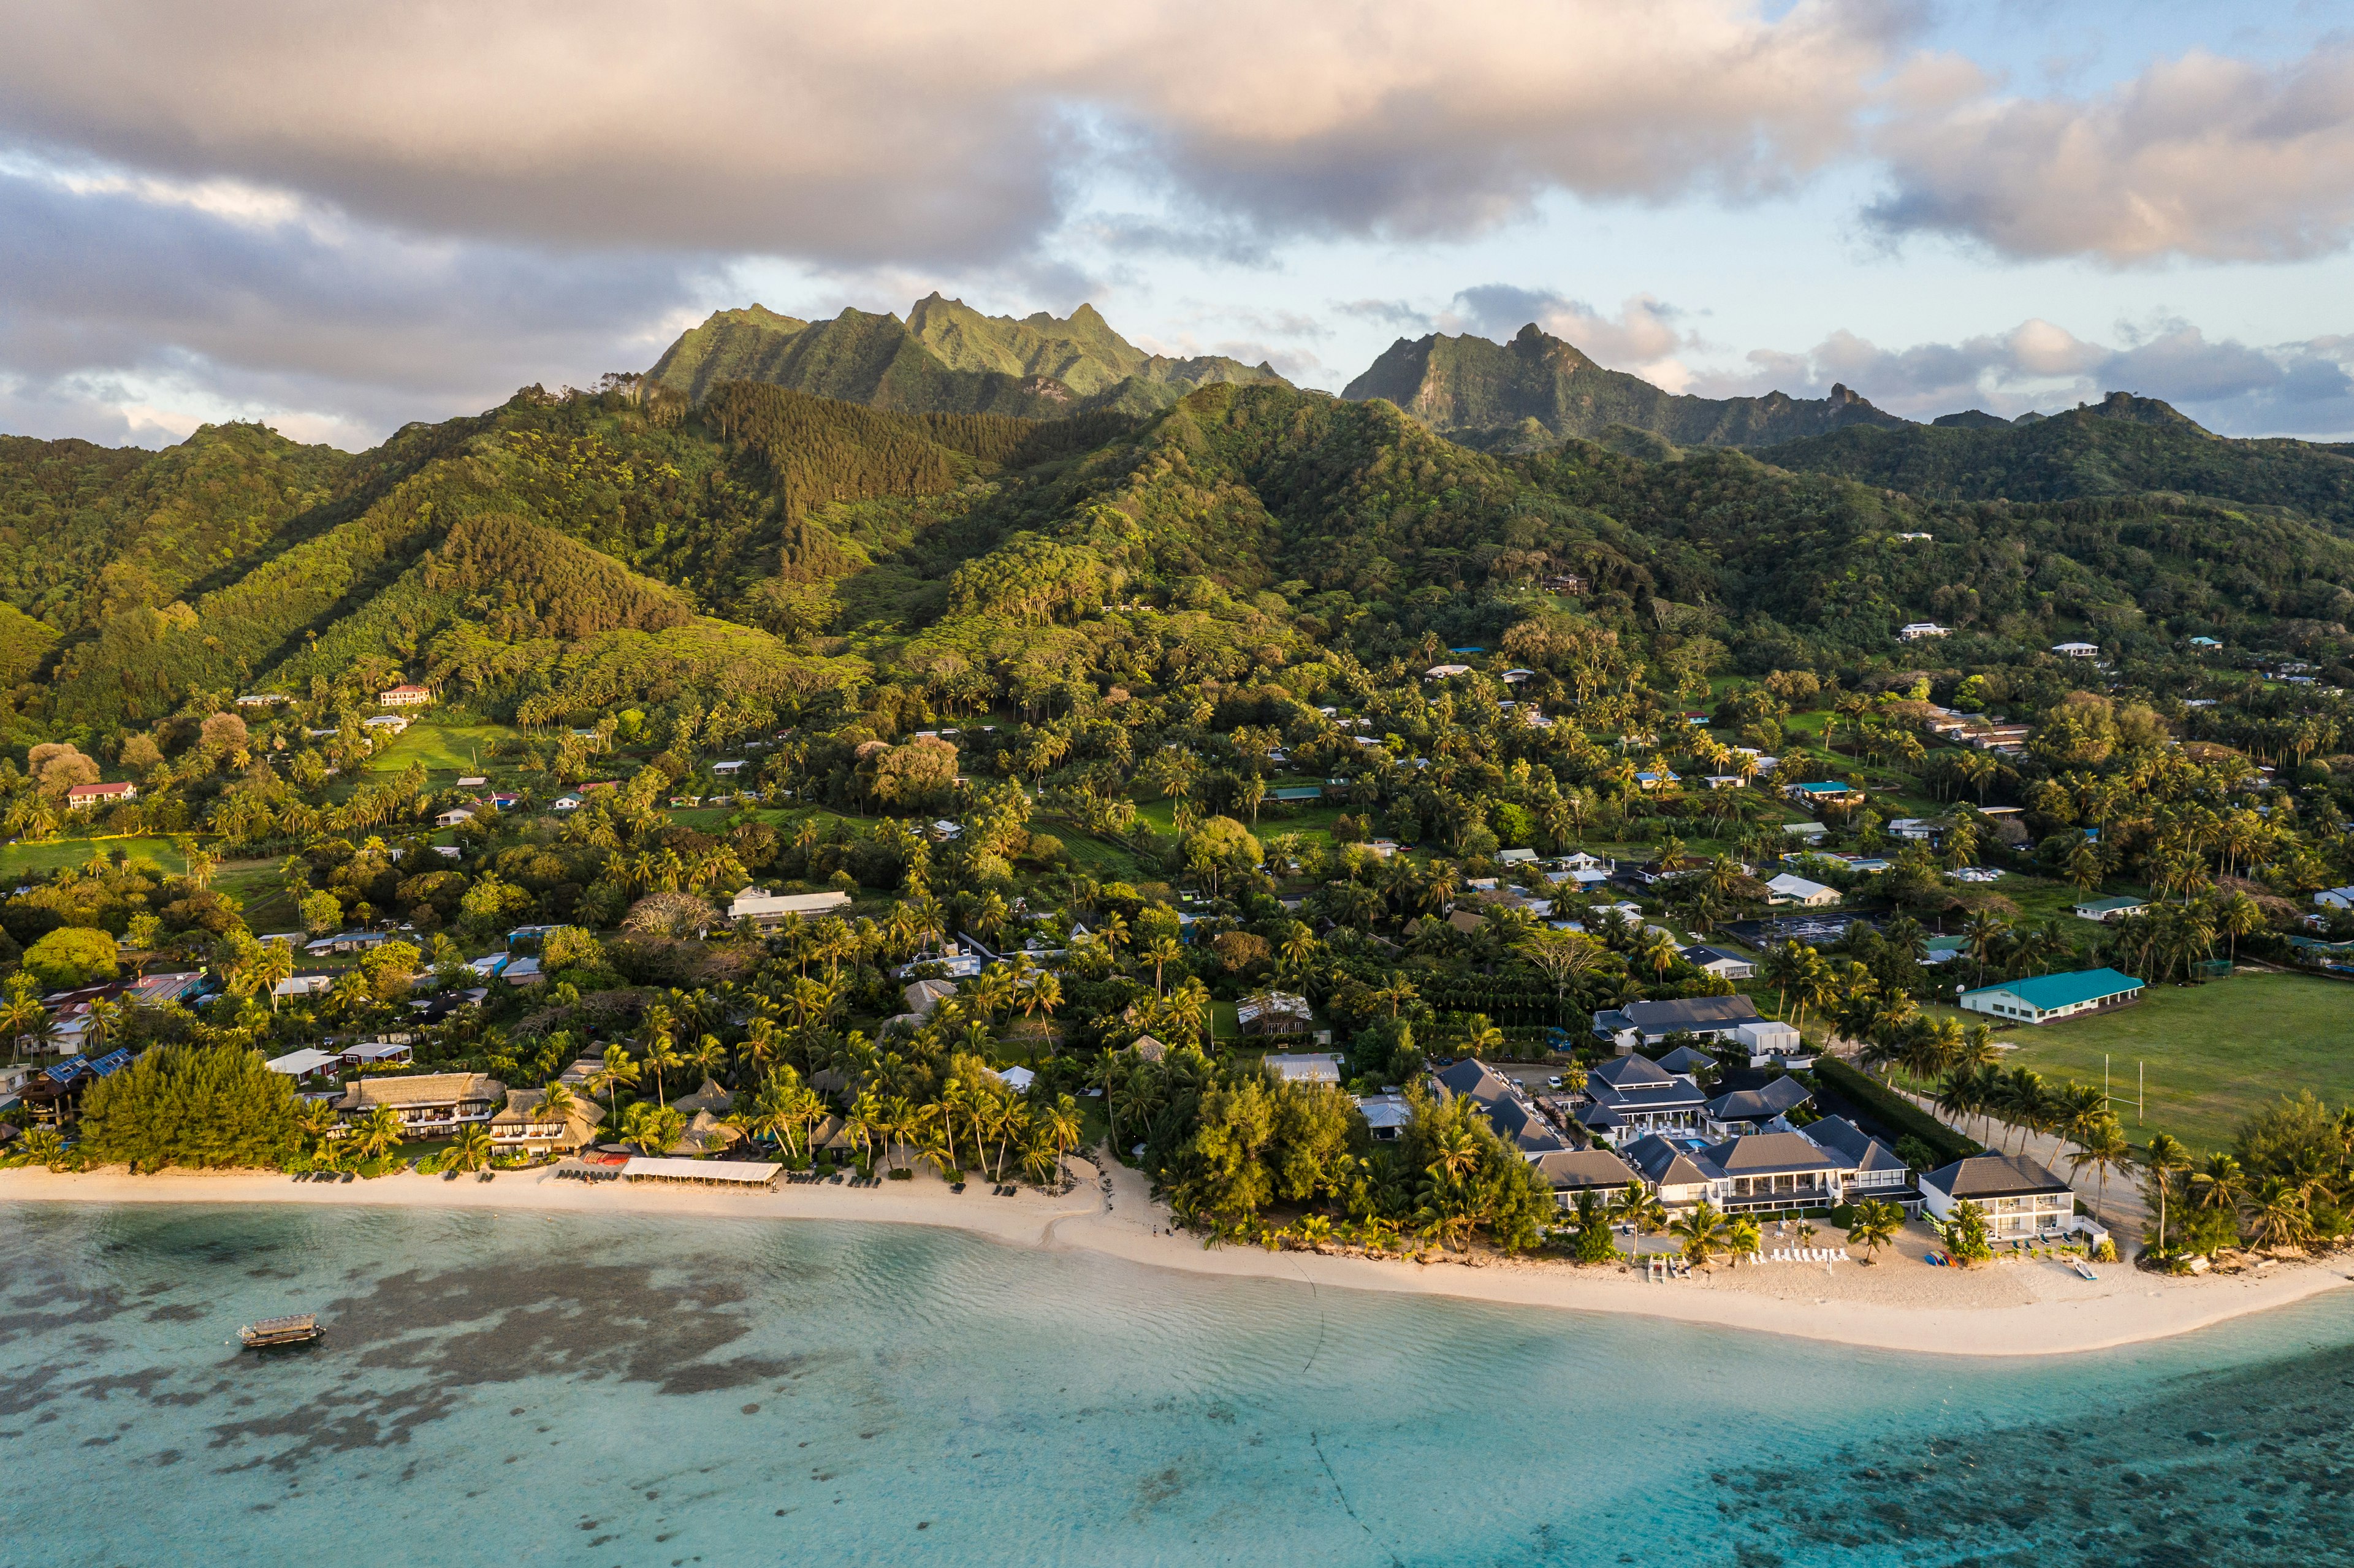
379,1132
1397,992
2104,1148
655,1129
557,1102
2164,1157
616,1072
472,1151
317,1121
2220,1184
1638,1208
1874,1225
1160,951
2276,1213
1702,1231
271,967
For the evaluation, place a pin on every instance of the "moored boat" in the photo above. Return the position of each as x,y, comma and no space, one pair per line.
299,1328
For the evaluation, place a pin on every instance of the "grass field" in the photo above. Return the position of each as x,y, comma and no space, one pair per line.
17,859
2214,1053
448,751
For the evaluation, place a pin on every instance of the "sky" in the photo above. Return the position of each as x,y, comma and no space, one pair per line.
338,219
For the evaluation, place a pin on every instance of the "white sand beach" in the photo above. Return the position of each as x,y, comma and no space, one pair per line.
2023,1307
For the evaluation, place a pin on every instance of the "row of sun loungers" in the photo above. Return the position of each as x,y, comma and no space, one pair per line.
1810,1255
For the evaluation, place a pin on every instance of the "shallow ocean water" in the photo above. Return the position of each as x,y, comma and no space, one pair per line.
503,1388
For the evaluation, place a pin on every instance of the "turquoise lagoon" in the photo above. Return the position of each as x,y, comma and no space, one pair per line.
517,1388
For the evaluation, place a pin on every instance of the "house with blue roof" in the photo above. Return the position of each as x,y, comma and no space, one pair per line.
2048,999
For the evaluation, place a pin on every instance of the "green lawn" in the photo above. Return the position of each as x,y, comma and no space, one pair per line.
2214,1053
17,859
448,751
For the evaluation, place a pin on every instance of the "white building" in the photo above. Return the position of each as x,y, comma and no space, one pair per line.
1913,632
1787,889
2077,649
2021,1199
1305,1067
773,909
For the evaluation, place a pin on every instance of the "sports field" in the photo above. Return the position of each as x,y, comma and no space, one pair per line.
2213,1053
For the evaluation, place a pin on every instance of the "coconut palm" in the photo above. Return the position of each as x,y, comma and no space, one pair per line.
2278,1216
1874,1225
2164,1157
2104,1148
472,1151
1636,1206
1160,951
2220,1184
655,1129
378,1133
1702,1232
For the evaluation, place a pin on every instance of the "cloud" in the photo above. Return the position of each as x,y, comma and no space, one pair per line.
1395,313
115,289
905,129
2203,156
2233,388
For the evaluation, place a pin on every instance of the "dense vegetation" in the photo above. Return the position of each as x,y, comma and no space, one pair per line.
1045,683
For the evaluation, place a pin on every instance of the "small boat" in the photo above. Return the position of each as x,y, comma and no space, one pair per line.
2081,1266
299,1328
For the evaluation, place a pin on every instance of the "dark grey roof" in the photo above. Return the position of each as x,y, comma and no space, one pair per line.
1689,1012
1783,1095
1474,1078
1859,1148
1584,1170
1629,1073
1666,1164
1769,1152
1516,1123
1993,1176
1687,1059
1700,953
1599,1116
1676,1093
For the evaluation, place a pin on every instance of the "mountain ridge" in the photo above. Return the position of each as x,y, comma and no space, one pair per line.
944,357
1538,387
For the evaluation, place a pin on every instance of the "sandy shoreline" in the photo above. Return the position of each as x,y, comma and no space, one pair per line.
2024,1308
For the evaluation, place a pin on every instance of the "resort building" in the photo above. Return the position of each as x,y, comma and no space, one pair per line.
744,1175
2077,649
1744,1112
431,1104
1574,1171
2021,1199
404,697
1914,630
2047,999
766,908
1766,1172
1641,1024
522,1127
1874,1170
1774,1044
307,1062
1504,1104
1633,1098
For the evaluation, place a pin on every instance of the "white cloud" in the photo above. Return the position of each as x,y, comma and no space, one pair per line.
903,128
2200,156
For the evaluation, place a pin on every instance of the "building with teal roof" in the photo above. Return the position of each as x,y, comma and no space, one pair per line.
2048,999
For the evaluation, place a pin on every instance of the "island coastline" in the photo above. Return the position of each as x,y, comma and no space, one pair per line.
2010,1308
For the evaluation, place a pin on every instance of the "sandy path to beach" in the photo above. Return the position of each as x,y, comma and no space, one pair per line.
2017,1307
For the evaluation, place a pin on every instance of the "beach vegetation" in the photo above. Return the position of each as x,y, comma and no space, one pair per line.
200,1107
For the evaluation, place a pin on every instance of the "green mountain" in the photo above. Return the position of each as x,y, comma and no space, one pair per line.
2123,445
771,552
1537,389
946,358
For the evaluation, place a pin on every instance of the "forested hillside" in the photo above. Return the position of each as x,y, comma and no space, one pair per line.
2117,446
562,552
